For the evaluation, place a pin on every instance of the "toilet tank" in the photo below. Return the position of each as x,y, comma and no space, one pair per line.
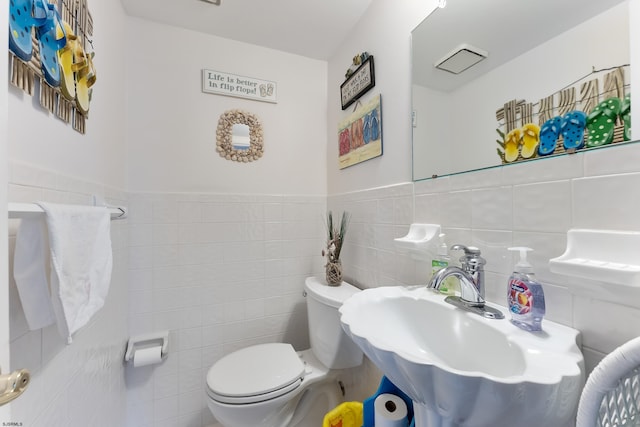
329,343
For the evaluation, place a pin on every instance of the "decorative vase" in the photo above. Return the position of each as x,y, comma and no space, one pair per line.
334,273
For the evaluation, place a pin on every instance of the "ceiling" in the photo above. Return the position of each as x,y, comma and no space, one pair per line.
314,29
504,28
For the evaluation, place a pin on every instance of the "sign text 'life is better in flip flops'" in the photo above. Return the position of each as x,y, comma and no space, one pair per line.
220,83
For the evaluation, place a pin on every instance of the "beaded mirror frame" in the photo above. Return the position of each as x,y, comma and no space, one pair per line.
224,136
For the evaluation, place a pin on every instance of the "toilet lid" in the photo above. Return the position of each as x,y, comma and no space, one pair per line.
259,370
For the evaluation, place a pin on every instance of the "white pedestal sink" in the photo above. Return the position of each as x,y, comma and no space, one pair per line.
461,369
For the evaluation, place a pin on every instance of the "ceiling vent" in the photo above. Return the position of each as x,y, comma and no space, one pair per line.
461,58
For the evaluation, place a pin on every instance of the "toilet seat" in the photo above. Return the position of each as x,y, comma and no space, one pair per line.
243,400
255,374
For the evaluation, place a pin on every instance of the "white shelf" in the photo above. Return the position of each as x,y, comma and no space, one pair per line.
601,255
420,241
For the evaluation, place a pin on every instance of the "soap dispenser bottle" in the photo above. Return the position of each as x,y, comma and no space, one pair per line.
525,297
443,260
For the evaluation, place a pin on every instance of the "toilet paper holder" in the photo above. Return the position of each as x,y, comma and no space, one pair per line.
146,341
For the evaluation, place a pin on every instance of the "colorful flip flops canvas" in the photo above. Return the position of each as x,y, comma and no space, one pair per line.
64,63
577,124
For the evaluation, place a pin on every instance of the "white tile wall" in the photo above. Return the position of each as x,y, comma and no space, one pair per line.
83,383
532,204
542,206
607,201
377,216
220,272
225,271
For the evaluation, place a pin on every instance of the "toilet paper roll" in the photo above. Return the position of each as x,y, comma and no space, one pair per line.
147,356
390,411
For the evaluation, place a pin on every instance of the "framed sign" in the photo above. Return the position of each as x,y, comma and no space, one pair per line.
220,83
358,83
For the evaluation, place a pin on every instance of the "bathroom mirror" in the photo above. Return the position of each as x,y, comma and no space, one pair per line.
239,136
534,50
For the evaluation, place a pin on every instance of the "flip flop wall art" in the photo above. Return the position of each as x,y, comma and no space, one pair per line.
360,134
50,44
563,123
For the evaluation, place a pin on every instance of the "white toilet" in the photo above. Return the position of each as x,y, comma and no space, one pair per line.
270,385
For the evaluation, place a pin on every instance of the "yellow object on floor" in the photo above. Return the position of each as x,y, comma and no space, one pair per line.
347,414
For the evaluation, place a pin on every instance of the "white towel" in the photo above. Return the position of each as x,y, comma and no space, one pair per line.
30,270
81,262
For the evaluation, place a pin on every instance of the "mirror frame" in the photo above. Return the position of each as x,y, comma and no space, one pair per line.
224,136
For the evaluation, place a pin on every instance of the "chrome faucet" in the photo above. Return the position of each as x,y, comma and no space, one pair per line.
473,264
471,278
468,291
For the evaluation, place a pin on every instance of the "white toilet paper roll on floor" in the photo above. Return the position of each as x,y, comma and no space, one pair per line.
147,356
390,411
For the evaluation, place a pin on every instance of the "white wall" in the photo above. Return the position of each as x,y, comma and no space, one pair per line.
220,272
83,383
38,138
385,32
172,123
219,249
434,122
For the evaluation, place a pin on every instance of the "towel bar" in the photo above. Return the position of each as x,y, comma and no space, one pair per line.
31,210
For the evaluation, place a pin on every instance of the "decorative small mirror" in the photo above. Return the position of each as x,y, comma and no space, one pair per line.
239,136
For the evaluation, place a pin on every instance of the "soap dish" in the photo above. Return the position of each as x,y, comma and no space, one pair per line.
601,255
420,240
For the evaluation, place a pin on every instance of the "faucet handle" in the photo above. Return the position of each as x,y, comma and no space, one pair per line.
468,250
471,257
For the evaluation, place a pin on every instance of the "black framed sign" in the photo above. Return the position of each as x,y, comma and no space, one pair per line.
358,83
